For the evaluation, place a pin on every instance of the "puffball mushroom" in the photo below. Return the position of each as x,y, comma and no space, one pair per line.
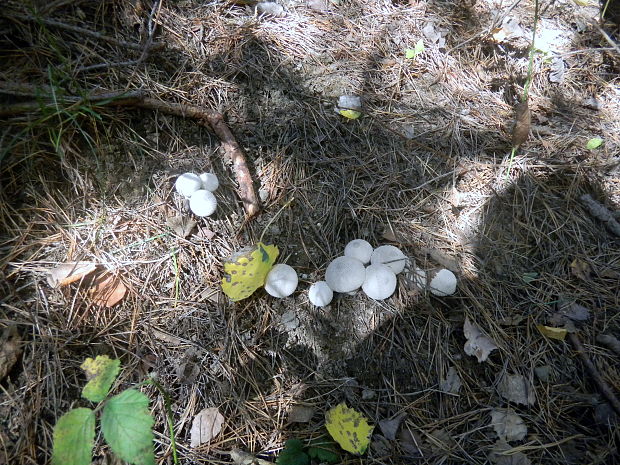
281,281
187,184
209,181
202,203
380,282
345,274
443,283
359,249
390,256
320,294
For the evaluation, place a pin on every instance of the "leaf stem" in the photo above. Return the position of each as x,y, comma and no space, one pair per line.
167,402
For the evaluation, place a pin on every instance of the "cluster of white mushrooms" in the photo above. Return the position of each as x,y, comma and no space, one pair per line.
198,188
374,270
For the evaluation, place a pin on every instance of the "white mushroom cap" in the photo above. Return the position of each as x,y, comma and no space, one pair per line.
380,282
320,294
187,184
360,249
390,256
202,203
281,281
345,274
443,283
209,181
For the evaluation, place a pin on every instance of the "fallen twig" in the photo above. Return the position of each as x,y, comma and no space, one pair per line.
203,116
600,212
86,32
596,376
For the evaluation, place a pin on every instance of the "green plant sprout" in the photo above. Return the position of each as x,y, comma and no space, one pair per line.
125,420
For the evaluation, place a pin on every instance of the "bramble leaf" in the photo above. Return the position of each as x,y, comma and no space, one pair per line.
126,425
349,428
324,450
293,454
101,373
74,437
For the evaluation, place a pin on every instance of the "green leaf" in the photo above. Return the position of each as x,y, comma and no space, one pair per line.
74,437
529,277
101,373
126,425
411,53
293,454
594,143
324,450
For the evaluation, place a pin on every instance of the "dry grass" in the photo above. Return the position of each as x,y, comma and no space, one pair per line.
426,167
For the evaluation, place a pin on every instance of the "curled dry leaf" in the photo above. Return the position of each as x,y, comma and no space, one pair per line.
522,123
477,343
517,389
107,290
300,414
68,273
181,225
389,427
10,350
508,425
206,425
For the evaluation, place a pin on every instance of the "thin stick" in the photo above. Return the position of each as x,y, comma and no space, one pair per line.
596,376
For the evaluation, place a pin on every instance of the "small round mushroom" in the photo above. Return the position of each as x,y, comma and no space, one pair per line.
380,282
390,256
202,203
442,283
359,249
345,274
209,181
281,281
187,184
320,294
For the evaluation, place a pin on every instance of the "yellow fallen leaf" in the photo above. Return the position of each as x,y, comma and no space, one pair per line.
246,271
351,114
349,428
552,333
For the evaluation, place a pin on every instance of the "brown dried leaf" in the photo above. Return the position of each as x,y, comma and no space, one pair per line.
508,425
517,389
10,350
68,273
581,269
206,425
522,123
477,343
389,428
107,290
181,225
300,414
